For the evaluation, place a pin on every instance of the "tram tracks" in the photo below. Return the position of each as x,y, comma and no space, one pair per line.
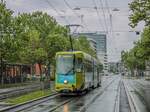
123,91
125,101
29,104
117,99
18,91
131,101
80,104
141,91
61,103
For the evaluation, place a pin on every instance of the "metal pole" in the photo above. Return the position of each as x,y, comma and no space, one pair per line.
1,71
70,37
71,44
1,34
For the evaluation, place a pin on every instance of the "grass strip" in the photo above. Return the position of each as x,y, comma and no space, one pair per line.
29,96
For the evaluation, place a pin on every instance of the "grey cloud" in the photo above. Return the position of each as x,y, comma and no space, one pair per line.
120,19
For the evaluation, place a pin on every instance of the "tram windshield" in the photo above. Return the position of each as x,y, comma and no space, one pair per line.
65,64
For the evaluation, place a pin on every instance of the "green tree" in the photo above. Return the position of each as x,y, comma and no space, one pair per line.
40,37
144,45
133,61
140,12
6,32
34,38
8,43
82,44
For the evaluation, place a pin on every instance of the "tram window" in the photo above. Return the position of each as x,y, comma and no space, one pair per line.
89,68
95,69
79,64
64,64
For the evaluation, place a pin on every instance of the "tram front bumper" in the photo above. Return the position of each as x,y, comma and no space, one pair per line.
65,88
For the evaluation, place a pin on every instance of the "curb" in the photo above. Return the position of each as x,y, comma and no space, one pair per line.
17,92
117,102
24,103
132,104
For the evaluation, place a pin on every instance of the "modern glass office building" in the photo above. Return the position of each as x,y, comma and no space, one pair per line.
101,46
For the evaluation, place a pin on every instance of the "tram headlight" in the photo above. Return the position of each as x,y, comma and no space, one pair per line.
65,81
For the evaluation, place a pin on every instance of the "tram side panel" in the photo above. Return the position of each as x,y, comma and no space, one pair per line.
79,81
96,80
95,73
88,76
99,76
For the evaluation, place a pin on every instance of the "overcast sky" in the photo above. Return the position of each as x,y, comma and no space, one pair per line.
101,20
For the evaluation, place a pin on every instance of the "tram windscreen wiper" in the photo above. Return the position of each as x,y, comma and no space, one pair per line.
69,71
72,67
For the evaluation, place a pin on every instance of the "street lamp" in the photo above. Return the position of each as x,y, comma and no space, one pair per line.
116,9
77,8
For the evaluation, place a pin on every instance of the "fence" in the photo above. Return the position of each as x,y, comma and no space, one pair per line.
13,73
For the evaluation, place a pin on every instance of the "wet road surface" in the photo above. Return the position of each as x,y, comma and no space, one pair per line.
106,102
74,105
124,103
140,90
111,97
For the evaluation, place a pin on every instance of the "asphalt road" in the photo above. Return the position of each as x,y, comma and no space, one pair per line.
77,103
106,101
111,97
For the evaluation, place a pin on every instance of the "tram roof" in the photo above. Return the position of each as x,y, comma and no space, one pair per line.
73,52
69,52
86,56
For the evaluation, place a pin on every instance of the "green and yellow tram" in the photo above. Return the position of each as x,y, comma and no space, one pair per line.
76,71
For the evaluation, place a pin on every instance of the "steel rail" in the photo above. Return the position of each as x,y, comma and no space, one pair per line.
61,104
15,92
131,101
117,99
139,88
84,107
29,104
79,98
